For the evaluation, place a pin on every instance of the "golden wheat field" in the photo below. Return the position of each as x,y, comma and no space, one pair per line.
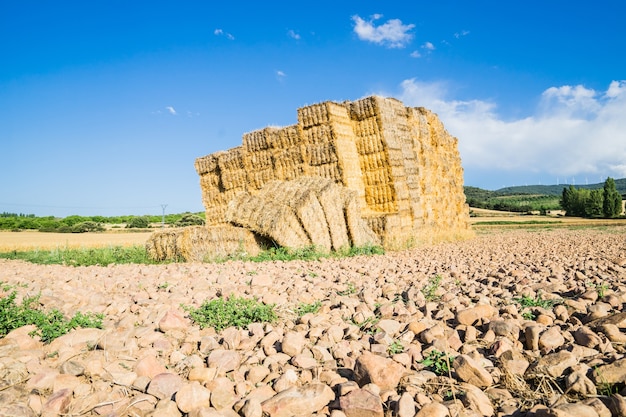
28,240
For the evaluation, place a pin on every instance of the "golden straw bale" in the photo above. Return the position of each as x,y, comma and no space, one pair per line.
206,164
258,178
210,180
364,108
258,159
231,160
330,171
317,134
234,179
164,245
286,137
359,232
320,153
270,218
200,243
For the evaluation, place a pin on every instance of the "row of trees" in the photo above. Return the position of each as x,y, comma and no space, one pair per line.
601,202
82,224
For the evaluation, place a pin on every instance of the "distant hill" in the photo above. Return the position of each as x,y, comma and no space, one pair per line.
620,185
526,198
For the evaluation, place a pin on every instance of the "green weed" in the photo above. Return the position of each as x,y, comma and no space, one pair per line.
395,348
430,290
438,362
350,289
527,301
240,312
50,325
304,308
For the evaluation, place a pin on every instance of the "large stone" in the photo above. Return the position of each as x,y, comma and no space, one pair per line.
58,403
472,315
192,395
472,372
222,392
299,401
613,373
384,372
165,385
173,320
224,360
149,366
433,409
362,403
553,364
293,343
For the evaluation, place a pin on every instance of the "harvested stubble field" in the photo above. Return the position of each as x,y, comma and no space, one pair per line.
33,240
532,322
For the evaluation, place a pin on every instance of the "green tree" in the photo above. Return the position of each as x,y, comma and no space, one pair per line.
612,205
139,222
595,203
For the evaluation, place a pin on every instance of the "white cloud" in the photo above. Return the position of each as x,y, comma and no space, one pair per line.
220,32
428,46
461,34
293,34
415,54
393,33
574,130
171,110
280,75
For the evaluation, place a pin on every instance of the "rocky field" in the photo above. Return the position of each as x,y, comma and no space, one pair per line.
509,324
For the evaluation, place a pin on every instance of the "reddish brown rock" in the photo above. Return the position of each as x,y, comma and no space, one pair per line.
361,403
384,372
299,401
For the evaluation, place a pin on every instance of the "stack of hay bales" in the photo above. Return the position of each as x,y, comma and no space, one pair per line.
401,164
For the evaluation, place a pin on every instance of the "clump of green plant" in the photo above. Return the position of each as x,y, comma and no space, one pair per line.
527,301
430,290
350,289
50,325
528,315
395,347
304,308
438,362
221,313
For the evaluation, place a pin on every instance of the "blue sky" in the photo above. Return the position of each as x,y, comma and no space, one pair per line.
104,105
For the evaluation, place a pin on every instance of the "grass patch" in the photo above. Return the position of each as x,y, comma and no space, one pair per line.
84,256
438,362
515,223
50,325
240,312
304,308
527,301
430,290
310,253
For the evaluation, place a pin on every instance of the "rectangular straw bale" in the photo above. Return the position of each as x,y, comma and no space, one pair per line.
377,176
231,160
311,215
270,218
374,161
313,115
286,137
234,179
208,243
206,164
367,127
259,140
364,108
370,144
330,171
330,198
360,233
317,134
215,215
163,245
258,159
210,180
320,153
258,178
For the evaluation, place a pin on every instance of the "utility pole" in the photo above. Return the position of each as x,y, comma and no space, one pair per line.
163,218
